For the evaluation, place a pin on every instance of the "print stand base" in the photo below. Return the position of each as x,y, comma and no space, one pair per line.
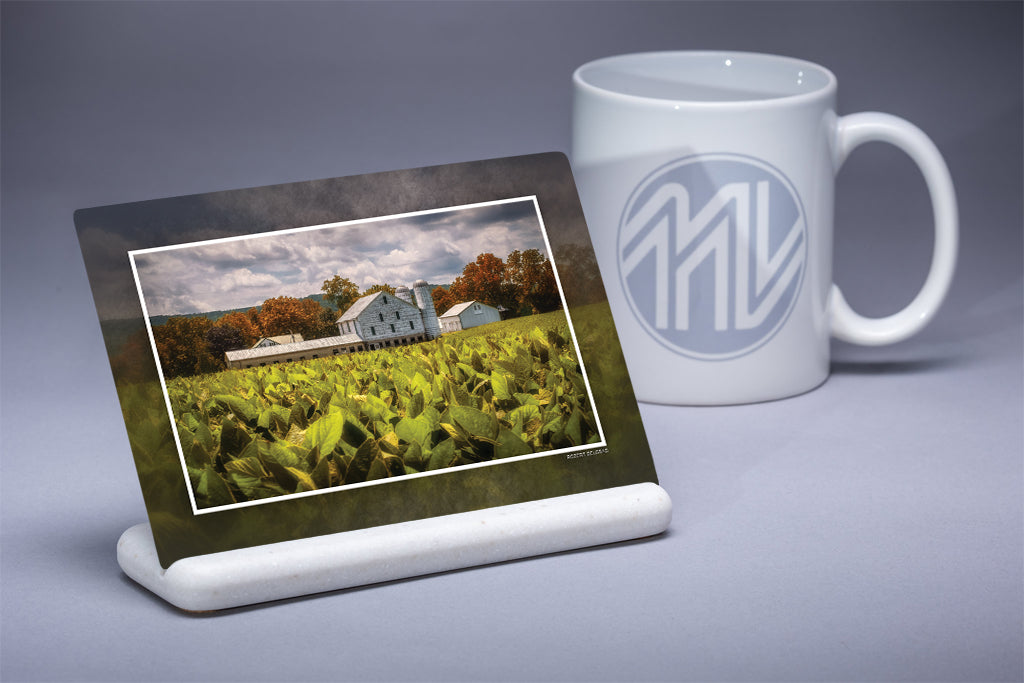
398,551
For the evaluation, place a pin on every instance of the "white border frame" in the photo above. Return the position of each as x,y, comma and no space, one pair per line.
360,221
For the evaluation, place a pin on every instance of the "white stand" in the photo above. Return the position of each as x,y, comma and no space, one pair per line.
397,551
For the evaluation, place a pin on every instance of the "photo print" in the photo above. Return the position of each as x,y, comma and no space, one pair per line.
350,354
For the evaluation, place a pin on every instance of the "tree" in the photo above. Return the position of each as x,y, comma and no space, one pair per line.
222,338
443,299
457,291
327,324
340,292
182,347
243,324
379,288
533,279
484,280
288,315
254,317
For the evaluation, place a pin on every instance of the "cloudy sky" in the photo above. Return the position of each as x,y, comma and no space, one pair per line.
436,247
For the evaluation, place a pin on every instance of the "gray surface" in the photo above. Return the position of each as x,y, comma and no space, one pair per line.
870,530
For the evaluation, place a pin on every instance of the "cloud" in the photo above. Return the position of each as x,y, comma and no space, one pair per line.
239,273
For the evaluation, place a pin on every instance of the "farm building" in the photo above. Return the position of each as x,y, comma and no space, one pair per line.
468,314
276,341
374,321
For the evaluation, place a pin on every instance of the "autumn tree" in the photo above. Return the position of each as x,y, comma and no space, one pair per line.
182,347
243,324
222,338
457,291
288,315
327,323
533,279
340,292
379,288
484,280
443,299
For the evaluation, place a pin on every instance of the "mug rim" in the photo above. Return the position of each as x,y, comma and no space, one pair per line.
829,86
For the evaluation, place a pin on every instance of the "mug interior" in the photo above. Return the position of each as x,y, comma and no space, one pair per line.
710,77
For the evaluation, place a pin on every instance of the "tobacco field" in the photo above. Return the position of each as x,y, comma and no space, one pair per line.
462,399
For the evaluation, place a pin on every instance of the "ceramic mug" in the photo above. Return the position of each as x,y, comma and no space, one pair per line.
707,180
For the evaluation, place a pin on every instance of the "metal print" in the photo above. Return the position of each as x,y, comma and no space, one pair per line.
355,382
319,357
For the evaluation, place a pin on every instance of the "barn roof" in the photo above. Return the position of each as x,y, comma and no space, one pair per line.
363,302
308,345
358,307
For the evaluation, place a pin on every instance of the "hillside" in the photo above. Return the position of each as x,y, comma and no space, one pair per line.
215,315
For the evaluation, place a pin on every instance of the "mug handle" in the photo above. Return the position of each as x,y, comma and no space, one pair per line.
847,325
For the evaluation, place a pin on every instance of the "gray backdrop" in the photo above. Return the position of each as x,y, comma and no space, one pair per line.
869,530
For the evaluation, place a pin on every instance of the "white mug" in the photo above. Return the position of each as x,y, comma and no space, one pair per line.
707,180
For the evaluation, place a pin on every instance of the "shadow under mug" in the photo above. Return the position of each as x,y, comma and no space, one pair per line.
708,182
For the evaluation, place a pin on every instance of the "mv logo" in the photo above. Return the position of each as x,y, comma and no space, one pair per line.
712,251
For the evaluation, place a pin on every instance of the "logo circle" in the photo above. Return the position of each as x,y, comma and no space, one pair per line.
712,251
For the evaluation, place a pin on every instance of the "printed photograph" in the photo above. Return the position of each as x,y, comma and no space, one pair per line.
306,360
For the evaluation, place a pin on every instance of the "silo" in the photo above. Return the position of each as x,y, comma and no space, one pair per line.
425,302
404,294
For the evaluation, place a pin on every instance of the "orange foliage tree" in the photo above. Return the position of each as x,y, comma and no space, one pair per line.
241,322
288,315
530,275
182,347
443,299
484,280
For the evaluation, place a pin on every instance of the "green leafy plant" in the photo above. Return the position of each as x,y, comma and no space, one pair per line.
507,390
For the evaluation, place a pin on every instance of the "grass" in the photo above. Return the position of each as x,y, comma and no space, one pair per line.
521,325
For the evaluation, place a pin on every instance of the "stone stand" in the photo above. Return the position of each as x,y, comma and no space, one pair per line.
398,551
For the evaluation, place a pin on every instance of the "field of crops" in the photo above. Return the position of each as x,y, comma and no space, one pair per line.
512,389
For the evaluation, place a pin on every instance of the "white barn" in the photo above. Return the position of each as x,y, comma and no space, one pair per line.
468,314
374,321
380,318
